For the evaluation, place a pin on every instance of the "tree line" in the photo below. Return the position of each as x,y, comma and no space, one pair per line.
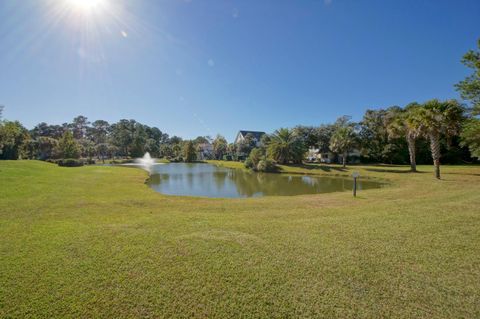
81,138
416,133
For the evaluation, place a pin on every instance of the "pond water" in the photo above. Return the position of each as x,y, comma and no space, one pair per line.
212,181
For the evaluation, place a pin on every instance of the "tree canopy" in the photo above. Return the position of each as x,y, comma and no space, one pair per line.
68,147
286,147
470,87
344,138
470,136
439,119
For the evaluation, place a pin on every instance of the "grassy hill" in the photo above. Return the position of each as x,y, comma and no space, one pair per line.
96,242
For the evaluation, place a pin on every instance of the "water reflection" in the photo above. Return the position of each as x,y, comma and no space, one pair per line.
212,181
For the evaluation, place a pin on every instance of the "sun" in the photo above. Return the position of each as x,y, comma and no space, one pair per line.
86,5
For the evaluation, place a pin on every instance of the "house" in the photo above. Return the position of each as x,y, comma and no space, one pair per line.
204,151
315,155
257,136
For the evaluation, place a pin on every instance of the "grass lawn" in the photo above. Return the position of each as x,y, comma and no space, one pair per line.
96,242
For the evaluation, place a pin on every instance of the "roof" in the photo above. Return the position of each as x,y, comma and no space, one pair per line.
257,134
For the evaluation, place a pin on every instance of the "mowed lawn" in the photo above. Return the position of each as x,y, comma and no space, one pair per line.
96,242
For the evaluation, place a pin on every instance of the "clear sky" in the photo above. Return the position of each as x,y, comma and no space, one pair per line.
201,67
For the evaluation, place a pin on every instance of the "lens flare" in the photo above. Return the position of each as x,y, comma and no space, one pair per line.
86,5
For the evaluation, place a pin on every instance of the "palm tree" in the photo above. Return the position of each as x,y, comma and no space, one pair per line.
284,147
406,123
440,119
342,141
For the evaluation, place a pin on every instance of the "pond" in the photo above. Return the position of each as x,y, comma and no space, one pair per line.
208,180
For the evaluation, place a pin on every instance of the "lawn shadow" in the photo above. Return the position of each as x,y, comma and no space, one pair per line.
384,170
388,165
455,173
324,168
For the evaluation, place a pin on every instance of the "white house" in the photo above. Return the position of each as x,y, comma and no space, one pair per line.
204,151
315,155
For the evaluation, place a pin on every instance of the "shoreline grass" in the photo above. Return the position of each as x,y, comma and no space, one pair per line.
95,241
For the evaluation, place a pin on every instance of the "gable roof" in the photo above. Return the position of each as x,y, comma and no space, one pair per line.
257,134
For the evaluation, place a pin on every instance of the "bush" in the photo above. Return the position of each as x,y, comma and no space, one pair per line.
257,161
266,165
254,158
70,162
90,161
51,160
249,163
122,161
256,155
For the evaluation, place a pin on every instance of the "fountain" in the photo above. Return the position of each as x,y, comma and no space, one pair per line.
146,162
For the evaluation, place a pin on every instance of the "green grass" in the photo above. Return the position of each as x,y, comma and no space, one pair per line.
96,242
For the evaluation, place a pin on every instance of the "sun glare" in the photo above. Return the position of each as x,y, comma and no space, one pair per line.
86,5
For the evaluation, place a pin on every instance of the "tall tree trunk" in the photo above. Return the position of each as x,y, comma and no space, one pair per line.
411,152
344,159
435,148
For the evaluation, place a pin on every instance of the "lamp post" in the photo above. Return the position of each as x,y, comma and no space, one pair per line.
355,176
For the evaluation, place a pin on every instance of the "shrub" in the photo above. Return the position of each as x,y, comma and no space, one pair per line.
255,156
122,161
257,161
266,165
70,162
90,161
51,160
249,163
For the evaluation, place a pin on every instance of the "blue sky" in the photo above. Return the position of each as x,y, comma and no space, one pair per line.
201,67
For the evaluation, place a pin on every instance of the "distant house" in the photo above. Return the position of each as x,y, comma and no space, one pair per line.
257,136
315,155
204,151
